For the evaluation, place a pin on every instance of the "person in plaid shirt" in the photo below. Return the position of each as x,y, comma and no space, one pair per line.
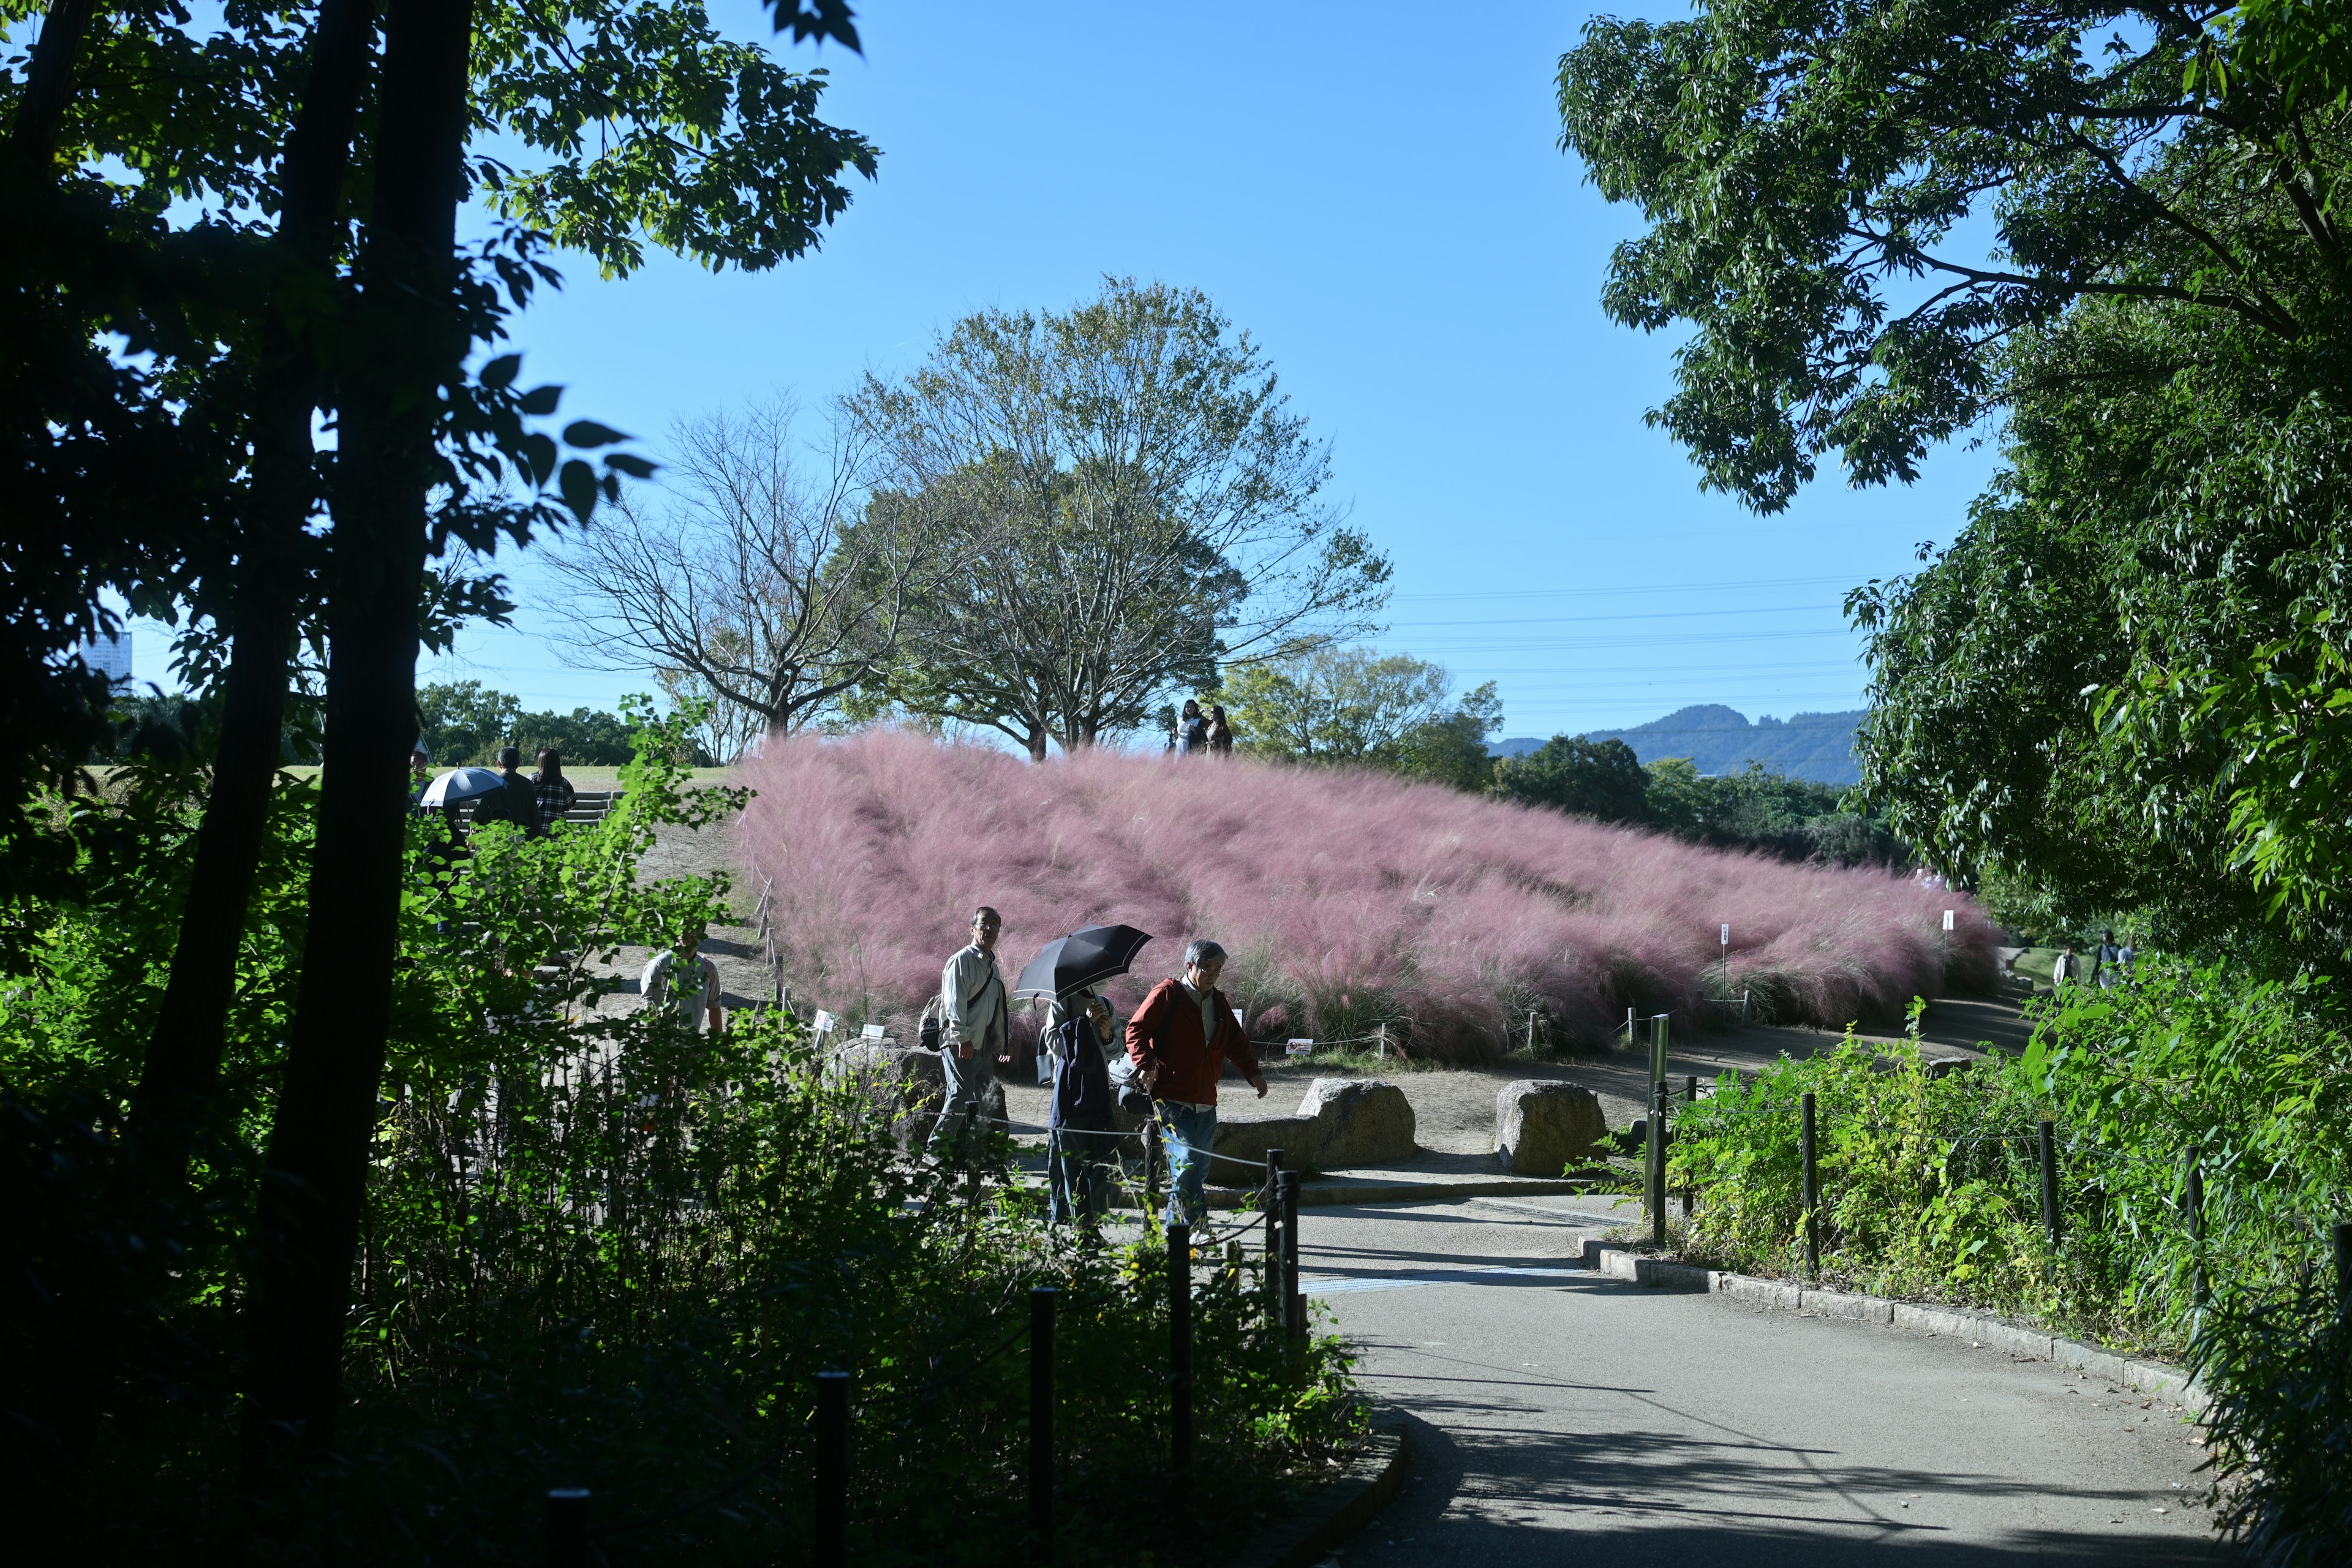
555,792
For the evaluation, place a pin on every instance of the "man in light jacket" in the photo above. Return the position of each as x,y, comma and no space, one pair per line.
975,1020
1178,1041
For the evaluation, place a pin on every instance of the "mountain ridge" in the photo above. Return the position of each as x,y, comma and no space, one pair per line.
1720,740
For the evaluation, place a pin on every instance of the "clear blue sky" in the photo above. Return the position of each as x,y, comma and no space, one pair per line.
1377,194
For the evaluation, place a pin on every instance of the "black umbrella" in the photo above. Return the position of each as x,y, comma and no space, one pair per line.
1084,957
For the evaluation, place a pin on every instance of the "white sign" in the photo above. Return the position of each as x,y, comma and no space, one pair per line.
1242,1021
825,1021
1727,936
873,1031
1948,919
1299,1049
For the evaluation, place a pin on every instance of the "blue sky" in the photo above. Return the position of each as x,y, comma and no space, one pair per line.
1376,193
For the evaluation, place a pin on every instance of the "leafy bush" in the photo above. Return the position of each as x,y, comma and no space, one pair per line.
597,1251
1362,898
1930,1183
2280,1373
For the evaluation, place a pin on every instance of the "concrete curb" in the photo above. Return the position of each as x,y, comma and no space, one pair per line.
1343,1506
1323,1194
2151,1377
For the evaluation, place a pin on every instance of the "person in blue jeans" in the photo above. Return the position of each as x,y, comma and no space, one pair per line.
1178,1041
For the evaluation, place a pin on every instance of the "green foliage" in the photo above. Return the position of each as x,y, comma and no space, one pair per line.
1129,504
1599,779
1351,705
598,1249
462,722
2280,1425
1808,175
1930,1184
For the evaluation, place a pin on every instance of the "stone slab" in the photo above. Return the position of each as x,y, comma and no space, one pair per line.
1845,1304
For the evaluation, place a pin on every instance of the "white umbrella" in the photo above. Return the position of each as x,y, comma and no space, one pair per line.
462,784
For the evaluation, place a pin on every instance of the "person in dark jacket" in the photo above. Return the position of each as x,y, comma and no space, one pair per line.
516,801
1178,1041
1079,1128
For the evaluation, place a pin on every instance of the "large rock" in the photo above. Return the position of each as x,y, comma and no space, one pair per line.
1297,1136
1541,1127
1341,1121
904,1087
1361,1121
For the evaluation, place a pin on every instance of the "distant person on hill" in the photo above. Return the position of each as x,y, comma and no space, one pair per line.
1192,731
1221,733
551,790
1178,1041
682,986
1077,1142
2103,966
2063,970
975,1024
2123,956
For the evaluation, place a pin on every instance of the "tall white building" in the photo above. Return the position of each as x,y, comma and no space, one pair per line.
110,656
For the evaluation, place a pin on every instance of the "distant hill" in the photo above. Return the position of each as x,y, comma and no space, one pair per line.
1720,740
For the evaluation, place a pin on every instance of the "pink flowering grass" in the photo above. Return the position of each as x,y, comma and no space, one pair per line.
1346,899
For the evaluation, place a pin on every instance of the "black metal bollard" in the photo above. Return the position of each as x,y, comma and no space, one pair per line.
832,1535
567,1528
1041,1425
1690,1096
1150,1169
1294,1306
1179,1361
1811,1189
1277,1300
2049,1182
2196,1205
1654,1192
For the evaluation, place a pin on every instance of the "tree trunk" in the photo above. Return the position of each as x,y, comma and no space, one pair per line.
48,84
183,1053
315,1181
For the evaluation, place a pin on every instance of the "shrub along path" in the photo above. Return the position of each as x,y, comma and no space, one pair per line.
1559,1417
1453,1108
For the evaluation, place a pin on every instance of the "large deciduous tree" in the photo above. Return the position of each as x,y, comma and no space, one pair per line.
743,580
2116,232
1132,505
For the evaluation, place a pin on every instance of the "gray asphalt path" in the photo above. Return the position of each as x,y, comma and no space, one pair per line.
1559,1417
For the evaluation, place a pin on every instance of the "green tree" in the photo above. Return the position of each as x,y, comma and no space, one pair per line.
1130,507
459,721
1599,779
1353,705
2114,689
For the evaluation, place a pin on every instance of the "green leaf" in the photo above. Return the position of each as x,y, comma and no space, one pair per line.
629,463
501,371
588,433
539,449
541,399
578,482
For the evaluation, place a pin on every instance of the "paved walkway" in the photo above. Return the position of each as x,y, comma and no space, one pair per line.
1557,1418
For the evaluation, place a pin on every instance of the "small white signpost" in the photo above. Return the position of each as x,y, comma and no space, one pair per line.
823,1024
1299,1049
871,1031
1948,919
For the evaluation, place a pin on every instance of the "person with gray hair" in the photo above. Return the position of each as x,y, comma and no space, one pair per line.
975,1020
1178,1041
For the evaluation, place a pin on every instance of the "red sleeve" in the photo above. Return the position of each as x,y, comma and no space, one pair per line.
1234,1038
1145,1023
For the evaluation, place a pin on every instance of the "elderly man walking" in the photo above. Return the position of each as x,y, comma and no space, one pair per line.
975,1019
1178,1041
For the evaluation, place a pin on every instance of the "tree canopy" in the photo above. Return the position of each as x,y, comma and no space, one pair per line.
2112,235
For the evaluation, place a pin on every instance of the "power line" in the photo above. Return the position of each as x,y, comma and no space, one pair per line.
1751,583
1640,616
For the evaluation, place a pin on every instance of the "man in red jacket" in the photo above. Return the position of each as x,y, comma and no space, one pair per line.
1178,1041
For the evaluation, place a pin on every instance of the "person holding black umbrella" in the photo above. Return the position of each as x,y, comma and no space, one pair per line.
1178,1041
1078,1127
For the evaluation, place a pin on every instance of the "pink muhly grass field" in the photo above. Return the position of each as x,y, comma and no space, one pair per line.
1346,899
